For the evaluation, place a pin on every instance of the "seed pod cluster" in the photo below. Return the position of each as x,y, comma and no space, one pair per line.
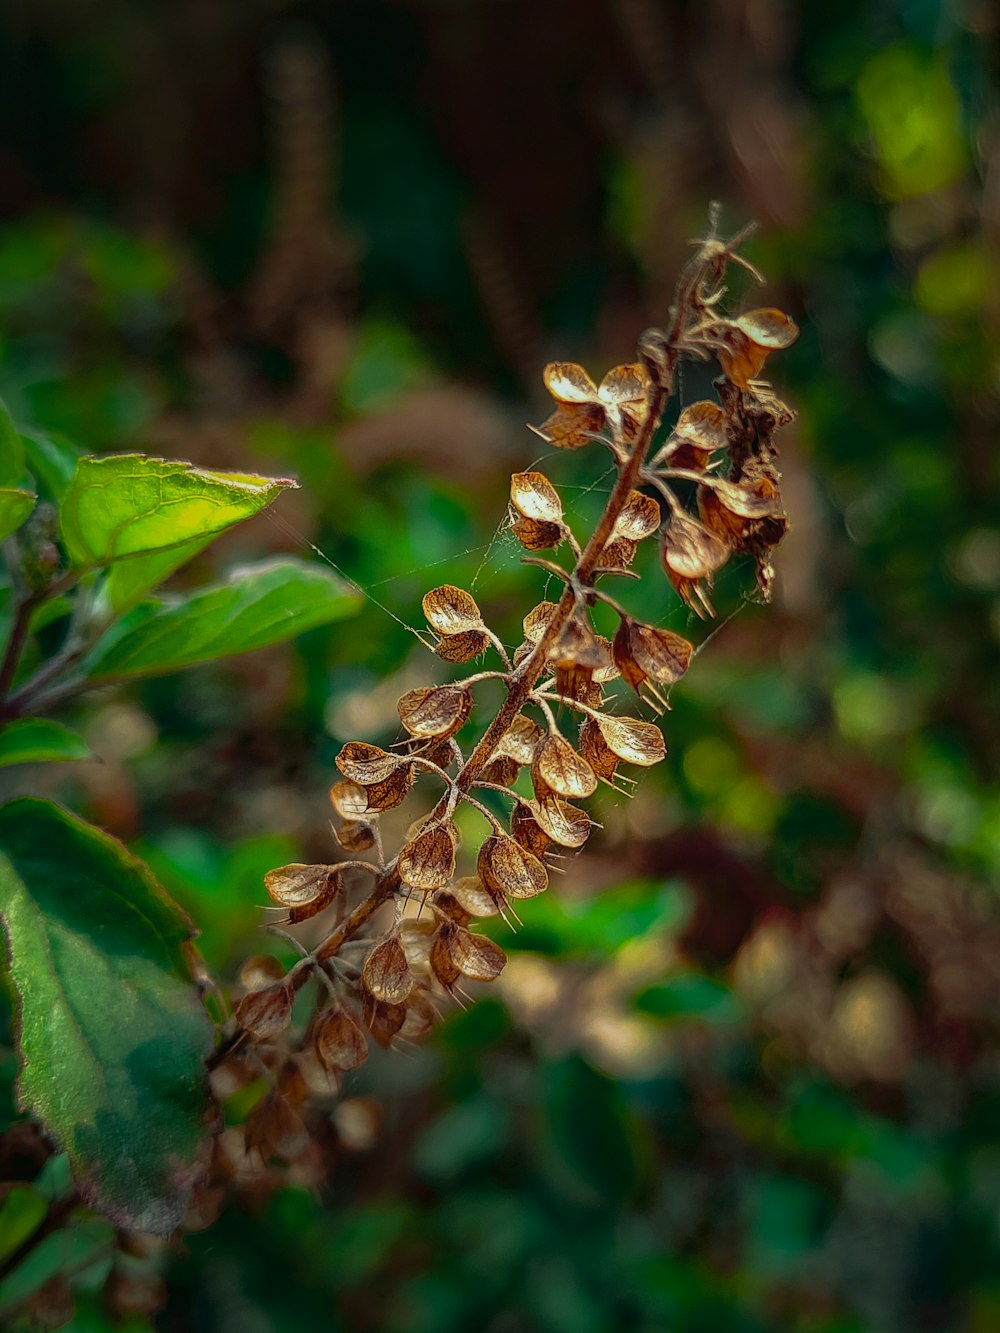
706,489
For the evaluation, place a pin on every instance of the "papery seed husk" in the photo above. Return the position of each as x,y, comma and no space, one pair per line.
632,740
339,1041
643,651
506,868
573,425
595,750
618,554
625,385
559,766
768,328
475,956
521,740
415,937
349,799
473,897
303,889
393,791
446,907
609,670
758,499
427,861
537,619
462,647
569,383
452,610
534,497
259,971
382,1020
563,823
700,432
526,830
434,710
442,964
535,536
640,517
502,770
356,835
365,764
420,1015
690,550
274,1126
265,1013
386,973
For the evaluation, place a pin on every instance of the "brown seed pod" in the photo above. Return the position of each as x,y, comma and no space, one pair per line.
526,830
265,1013
274,1127
736,512
386,973
536,620
507,870
420,1015
535,536
427,861
446,907
349,799
645,653
442,964
575,656
747,342
558,766
502,770
366,764
561,822
338,1041
434,711
595,750
356,835
635,742
382,1020
462,647
475,956
701,431
533,496
618,554
393,791
521,739
639,518
304,890
415,937
474,899
452,610
691,552
259,971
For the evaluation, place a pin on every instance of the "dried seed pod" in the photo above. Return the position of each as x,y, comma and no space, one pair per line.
701,431
595,750
558,766
452,610
618,554
471,956
736,511
304,890
502,770
473,898
265,1013
383,1020
420,1015
442,964
507,870
260,971
434,711
536,620
393,791
415,937
349,799
635,742
526,830
561,822
462,647
338,1041
645,653
575,656
274,1127
446,907
625,392
366,764
583,409
639,518
536,511
747,342
356,835
691,552
427,861
521,739
386,973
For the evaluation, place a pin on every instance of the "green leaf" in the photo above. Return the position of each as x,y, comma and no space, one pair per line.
129,580
52,461
11,449
15,506
38,740
256,606
112,1034
689,995
129,505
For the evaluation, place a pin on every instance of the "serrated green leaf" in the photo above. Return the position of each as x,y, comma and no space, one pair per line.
32,740
256,606
112,1034
15,506
127,505
52,461
11,449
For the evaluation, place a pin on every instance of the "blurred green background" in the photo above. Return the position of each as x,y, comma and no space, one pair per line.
742,1072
